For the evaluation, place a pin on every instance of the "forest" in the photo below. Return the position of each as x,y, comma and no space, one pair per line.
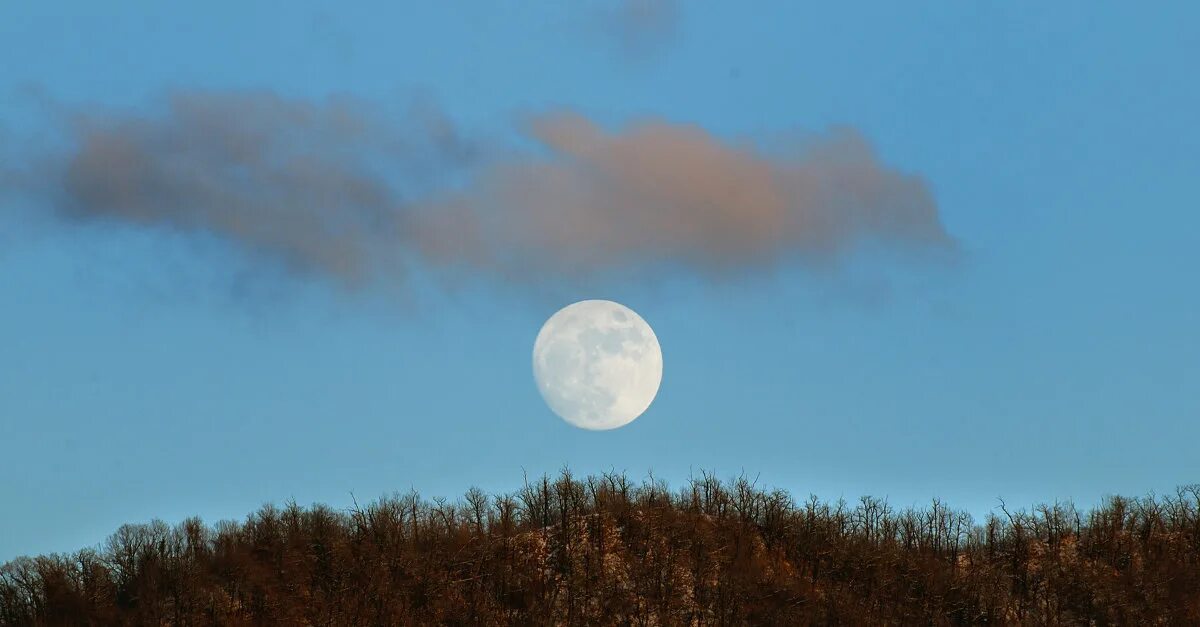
608,550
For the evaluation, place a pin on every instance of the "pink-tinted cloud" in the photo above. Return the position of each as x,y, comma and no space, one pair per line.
338,190
658,193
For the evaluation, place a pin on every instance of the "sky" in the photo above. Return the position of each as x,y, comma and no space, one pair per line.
939,249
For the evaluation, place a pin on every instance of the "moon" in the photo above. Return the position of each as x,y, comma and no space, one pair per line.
597,364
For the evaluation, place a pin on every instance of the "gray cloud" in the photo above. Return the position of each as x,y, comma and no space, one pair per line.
312,186
640,27
340,190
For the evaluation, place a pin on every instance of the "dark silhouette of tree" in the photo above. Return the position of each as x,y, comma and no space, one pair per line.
604,550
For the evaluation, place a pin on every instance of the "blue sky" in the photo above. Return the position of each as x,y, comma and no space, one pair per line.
147,374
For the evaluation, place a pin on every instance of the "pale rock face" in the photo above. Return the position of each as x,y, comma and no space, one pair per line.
597,364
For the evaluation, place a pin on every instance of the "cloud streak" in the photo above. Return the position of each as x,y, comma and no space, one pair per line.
339,190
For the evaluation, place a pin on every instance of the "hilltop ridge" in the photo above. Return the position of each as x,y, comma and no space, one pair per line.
605,550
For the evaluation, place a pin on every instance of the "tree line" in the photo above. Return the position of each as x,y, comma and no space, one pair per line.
607,550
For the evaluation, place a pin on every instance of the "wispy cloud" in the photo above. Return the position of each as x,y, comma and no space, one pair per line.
641,27
315,186
340,190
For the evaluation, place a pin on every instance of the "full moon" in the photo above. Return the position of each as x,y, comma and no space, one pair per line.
597,364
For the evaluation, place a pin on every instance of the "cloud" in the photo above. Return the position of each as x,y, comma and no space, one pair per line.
312,186
640,27
338,189
664,194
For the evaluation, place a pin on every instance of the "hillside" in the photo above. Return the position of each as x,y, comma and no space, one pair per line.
609,551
